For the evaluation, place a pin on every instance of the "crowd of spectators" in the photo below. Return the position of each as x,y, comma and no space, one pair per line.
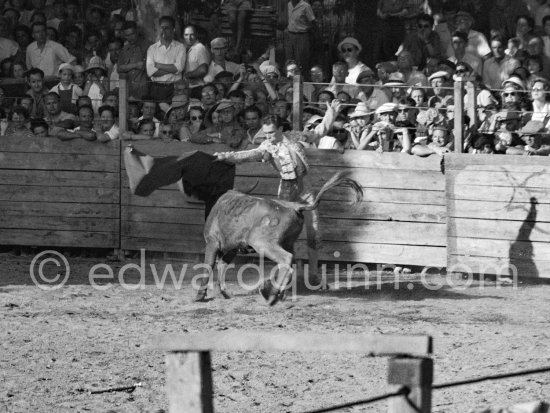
189,88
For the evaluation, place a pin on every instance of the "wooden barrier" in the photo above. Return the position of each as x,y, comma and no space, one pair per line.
55,193
498,212
189,369
383,228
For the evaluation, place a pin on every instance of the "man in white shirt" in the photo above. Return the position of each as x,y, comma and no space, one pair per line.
165,61
45,54
198,60
8,47
477,42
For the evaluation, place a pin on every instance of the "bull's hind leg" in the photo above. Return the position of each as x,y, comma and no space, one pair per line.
222,268
273,289
210,255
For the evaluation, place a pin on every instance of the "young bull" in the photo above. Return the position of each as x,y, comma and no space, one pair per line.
270,226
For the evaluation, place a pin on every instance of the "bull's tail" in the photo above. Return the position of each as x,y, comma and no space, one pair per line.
339,179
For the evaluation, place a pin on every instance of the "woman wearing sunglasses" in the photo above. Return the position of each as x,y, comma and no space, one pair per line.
195,123
541,106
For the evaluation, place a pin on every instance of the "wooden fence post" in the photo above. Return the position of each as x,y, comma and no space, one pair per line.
459,116
189,382
122,103
297,103
471,110
417,375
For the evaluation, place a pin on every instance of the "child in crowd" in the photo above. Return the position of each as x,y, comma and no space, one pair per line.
37,90
39,128
66,89
145,131
96,82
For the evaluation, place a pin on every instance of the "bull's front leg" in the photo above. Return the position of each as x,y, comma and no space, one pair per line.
210,255
273,290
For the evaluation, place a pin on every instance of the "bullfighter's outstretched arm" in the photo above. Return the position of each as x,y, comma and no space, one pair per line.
253,155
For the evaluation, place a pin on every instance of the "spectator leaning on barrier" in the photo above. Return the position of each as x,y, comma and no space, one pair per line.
106,127
166,60
19,123
45,54
197,62
55,116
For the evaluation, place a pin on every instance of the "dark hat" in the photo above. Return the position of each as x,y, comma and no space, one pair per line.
461,35
463,13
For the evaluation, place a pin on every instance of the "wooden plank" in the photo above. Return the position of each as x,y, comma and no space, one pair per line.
499,266
498,194
59,178
54,145
331,229
25,221
151,244
523,250
56,162
163,215
171,198
60,209
384,212
483,179
59,194
369,159
59,238
498,210
489,162
189,382
499,229
229,341
376,253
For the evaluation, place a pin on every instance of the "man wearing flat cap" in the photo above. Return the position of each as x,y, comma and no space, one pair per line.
477,42
218,49
459,43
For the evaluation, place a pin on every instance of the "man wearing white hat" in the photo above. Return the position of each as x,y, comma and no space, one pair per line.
439,81
350,49
218,48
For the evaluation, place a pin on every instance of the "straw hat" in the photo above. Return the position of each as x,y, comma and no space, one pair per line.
224,104
386,108
64,66
439,74
350,40
360,110
96,62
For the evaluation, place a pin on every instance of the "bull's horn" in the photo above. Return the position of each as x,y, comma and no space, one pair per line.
250,189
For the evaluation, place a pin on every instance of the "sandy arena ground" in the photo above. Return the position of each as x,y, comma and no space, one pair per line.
58,345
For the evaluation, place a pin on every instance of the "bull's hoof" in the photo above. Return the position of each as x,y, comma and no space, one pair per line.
271,294
225,294
200,297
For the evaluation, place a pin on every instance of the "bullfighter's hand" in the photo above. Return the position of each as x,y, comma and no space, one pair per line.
221,155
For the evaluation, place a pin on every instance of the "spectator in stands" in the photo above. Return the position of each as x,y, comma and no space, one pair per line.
524,29
39,128
418,95
424,43
459,43
396,87
301,23
66,89
237,12
37,90
198,60
477,42
18,70
209,96
166,60
412,76
148,111
512,90
227,131
440,143
19,123
317,77
499,67
531,134
372,96
13,17
8,47
439,82
45,54
535,48
195,124
145,131
107,129
55,116
338,84
541,106
219,63
72,18
84,130
253,121
114,47
359,126
131,61
350,49
58,11
96,81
